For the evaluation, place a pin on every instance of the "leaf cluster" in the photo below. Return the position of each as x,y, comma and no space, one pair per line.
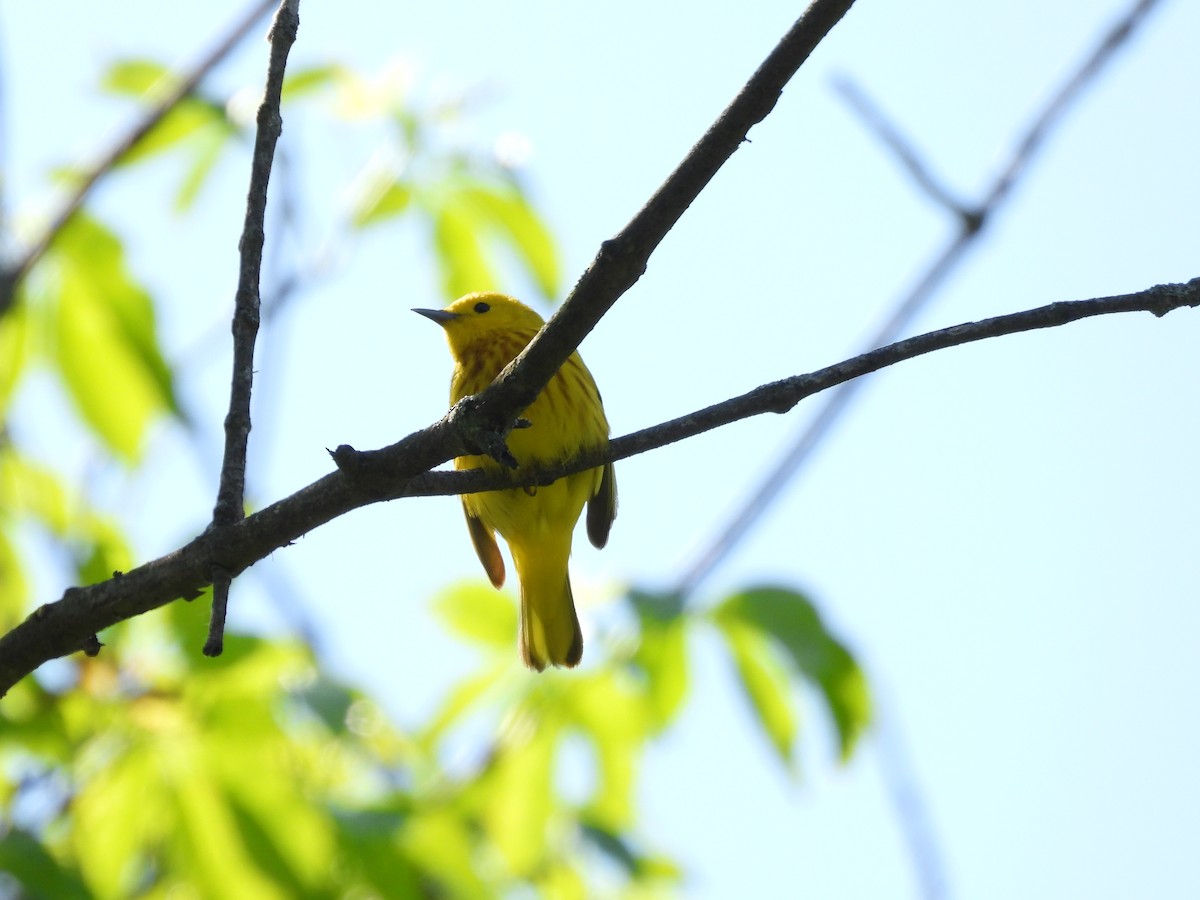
150,770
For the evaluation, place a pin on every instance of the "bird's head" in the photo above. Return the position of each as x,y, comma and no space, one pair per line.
481,316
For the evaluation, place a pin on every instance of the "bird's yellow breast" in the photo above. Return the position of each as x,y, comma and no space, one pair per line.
565,419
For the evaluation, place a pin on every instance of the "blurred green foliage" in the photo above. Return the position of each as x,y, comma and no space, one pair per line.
152,771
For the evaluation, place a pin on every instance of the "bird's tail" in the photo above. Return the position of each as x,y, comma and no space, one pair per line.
550,634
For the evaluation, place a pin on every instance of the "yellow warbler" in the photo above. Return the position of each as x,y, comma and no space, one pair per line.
486,331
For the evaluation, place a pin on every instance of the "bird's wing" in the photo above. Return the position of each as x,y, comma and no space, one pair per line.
602,508
484,539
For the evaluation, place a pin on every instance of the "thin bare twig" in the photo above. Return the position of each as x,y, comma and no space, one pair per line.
230,506
972,222
13,275
221,580
916,167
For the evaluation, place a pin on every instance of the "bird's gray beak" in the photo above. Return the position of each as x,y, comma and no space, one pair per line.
440,316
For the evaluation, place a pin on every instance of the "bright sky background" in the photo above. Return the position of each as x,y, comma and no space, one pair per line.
1005,533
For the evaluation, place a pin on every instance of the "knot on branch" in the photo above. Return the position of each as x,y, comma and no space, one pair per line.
973,218
479,434
369,473
1162,298
621,259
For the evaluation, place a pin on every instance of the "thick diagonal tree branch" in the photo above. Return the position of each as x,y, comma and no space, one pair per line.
232,489
71,623
12,276
623,258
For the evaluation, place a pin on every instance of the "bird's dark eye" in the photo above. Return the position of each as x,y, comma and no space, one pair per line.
481,307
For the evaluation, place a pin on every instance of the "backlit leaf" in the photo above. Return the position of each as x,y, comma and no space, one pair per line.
607,709
206,151
14,587
148,81
104,340
383,197
661,654
106,551
368,850
120,810
765,683
308,80
14,351
462,697
211,832
513,219
479,612
29,489
439,842
791,620
457,238
136,77
40,875
561,881
518,797
189,117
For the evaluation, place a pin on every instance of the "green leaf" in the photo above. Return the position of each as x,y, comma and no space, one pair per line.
559,880
119,811
457,239
367,840
384,197
190,117
106,549
439,842
661,654
262,836
289,839
637,865
36,871
462,697
329,701
791,620
103,377
519,798
28,489
32,723
612,845
514,220
511,217
14,351
208,147
136,77
209,831
479,612
104,339
148,81
311,79
606,707
765,683
14,587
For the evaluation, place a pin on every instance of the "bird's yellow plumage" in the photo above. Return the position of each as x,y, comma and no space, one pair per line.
486,332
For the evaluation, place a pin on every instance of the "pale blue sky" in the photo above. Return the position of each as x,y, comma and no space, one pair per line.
1006,532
